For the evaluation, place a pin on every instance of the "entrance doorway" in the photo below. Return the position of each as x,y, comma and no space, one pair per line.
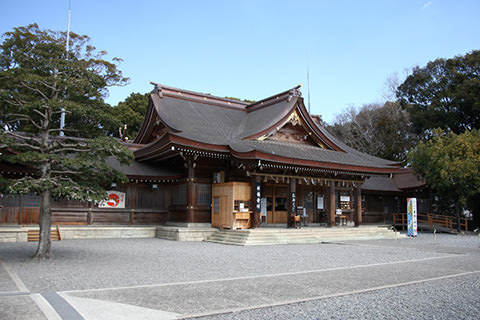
314,204
277,203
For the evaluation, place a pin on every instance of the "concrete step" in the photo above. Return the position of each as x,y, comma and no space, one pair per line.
272,236
34,235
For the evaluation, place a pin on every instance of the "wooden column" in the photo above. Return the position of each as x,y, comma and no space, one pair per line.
89,213
358,206
191,190
331,204
256,219
292,203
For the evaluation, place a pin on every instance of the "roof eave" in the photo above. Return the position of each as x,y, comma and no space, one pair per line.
257,155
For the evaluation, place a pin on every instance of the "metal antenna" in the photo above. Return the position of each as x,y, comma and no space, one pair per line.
62,115
68,27
308,83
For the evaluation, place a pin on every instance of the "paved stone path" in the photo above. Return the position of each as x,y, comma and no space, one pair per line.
160,279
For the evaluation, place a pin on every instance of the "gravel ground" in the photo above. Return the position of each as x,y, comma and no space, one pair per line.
103,263
449,299
113,263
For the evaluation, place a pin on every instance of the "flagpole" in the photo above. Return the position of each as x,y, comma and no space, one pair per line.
62,115
308,83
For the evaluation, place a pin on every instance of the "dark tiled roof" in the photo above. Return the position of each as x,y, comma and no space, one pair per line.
407,179
266,117
217,125
306,152
205,119
141,169
403,180
199,121
383,183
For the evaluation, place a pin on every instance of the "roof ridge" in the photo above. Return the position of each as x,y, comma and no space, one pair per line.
272,99
163,89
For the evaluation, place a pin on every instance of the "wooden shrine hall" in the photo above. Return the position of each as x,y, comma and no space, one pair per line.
252,164
202,160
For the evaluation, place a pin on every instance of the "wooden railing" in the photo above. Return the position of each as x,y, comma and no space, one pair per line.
431,221
84,216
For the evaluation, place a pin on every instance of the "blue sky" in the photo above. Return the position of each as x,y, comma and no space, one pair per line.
254,49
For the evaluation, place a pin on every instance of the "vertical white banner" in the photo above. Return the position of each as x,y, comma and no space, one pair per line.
412,216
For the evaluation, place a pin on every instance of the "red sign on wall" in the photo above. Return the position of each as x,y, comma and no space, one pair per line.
115,199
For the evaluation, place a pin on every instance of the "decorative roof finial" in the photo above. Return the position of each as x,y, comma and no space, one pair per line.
156,89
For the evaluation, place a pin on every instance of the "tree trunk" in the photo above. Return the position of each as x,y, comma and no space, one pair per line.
457,214
474,205
45,223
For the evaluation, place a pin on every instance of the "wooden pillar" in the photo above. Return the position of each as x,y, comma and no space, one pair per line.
358,206
292,203
191,190
331,204
89,213
254,204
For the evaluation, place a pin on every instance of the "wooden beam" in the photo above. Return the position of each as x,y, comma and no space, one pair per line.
191,190
358,206
255,182
331,204
292,203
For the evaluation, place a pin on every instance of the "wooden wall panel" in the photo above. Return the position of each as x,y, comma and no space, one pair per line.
110,217
73,217
156,218
9,215
29,216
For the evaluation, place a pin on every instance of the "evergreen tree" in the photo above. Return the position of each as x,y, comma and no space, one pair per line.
39,80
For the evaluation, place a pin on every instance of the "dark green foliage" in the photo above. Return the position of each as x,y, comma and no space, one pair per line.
444,94
132,113
450,163
37,79
36,69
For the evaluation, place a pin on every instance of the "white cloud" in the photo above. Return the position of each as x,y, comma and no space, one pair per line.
426,5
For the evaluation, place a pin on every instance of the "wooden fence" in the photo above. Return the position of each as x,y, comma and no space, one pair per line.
430,221
84,216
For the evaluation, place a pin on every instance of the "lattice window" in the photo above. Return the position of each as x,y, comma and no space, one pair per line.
204,194
180,194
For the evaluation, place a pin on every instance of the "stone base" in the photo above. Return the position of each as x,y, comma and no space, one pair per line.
274,236
104,232
13,234
185,233
188,225
19,234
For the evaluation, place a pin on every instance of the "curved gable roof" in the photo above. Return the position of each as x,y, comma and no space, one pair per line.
204,121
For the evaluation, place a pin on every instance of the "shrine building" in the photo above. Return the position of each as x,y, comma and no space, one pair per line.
202,160
250,164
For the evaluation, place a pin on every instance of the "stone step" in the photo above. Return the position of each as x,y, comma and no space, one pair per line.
307,235
259,237
34,235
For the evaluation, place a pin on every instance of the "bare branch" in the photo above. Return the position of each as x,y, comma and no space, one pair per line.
15,102
26,145
71,150
64,129
72,145
46,84
43,115
22,117
44,96
19,136
61,111
64,172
